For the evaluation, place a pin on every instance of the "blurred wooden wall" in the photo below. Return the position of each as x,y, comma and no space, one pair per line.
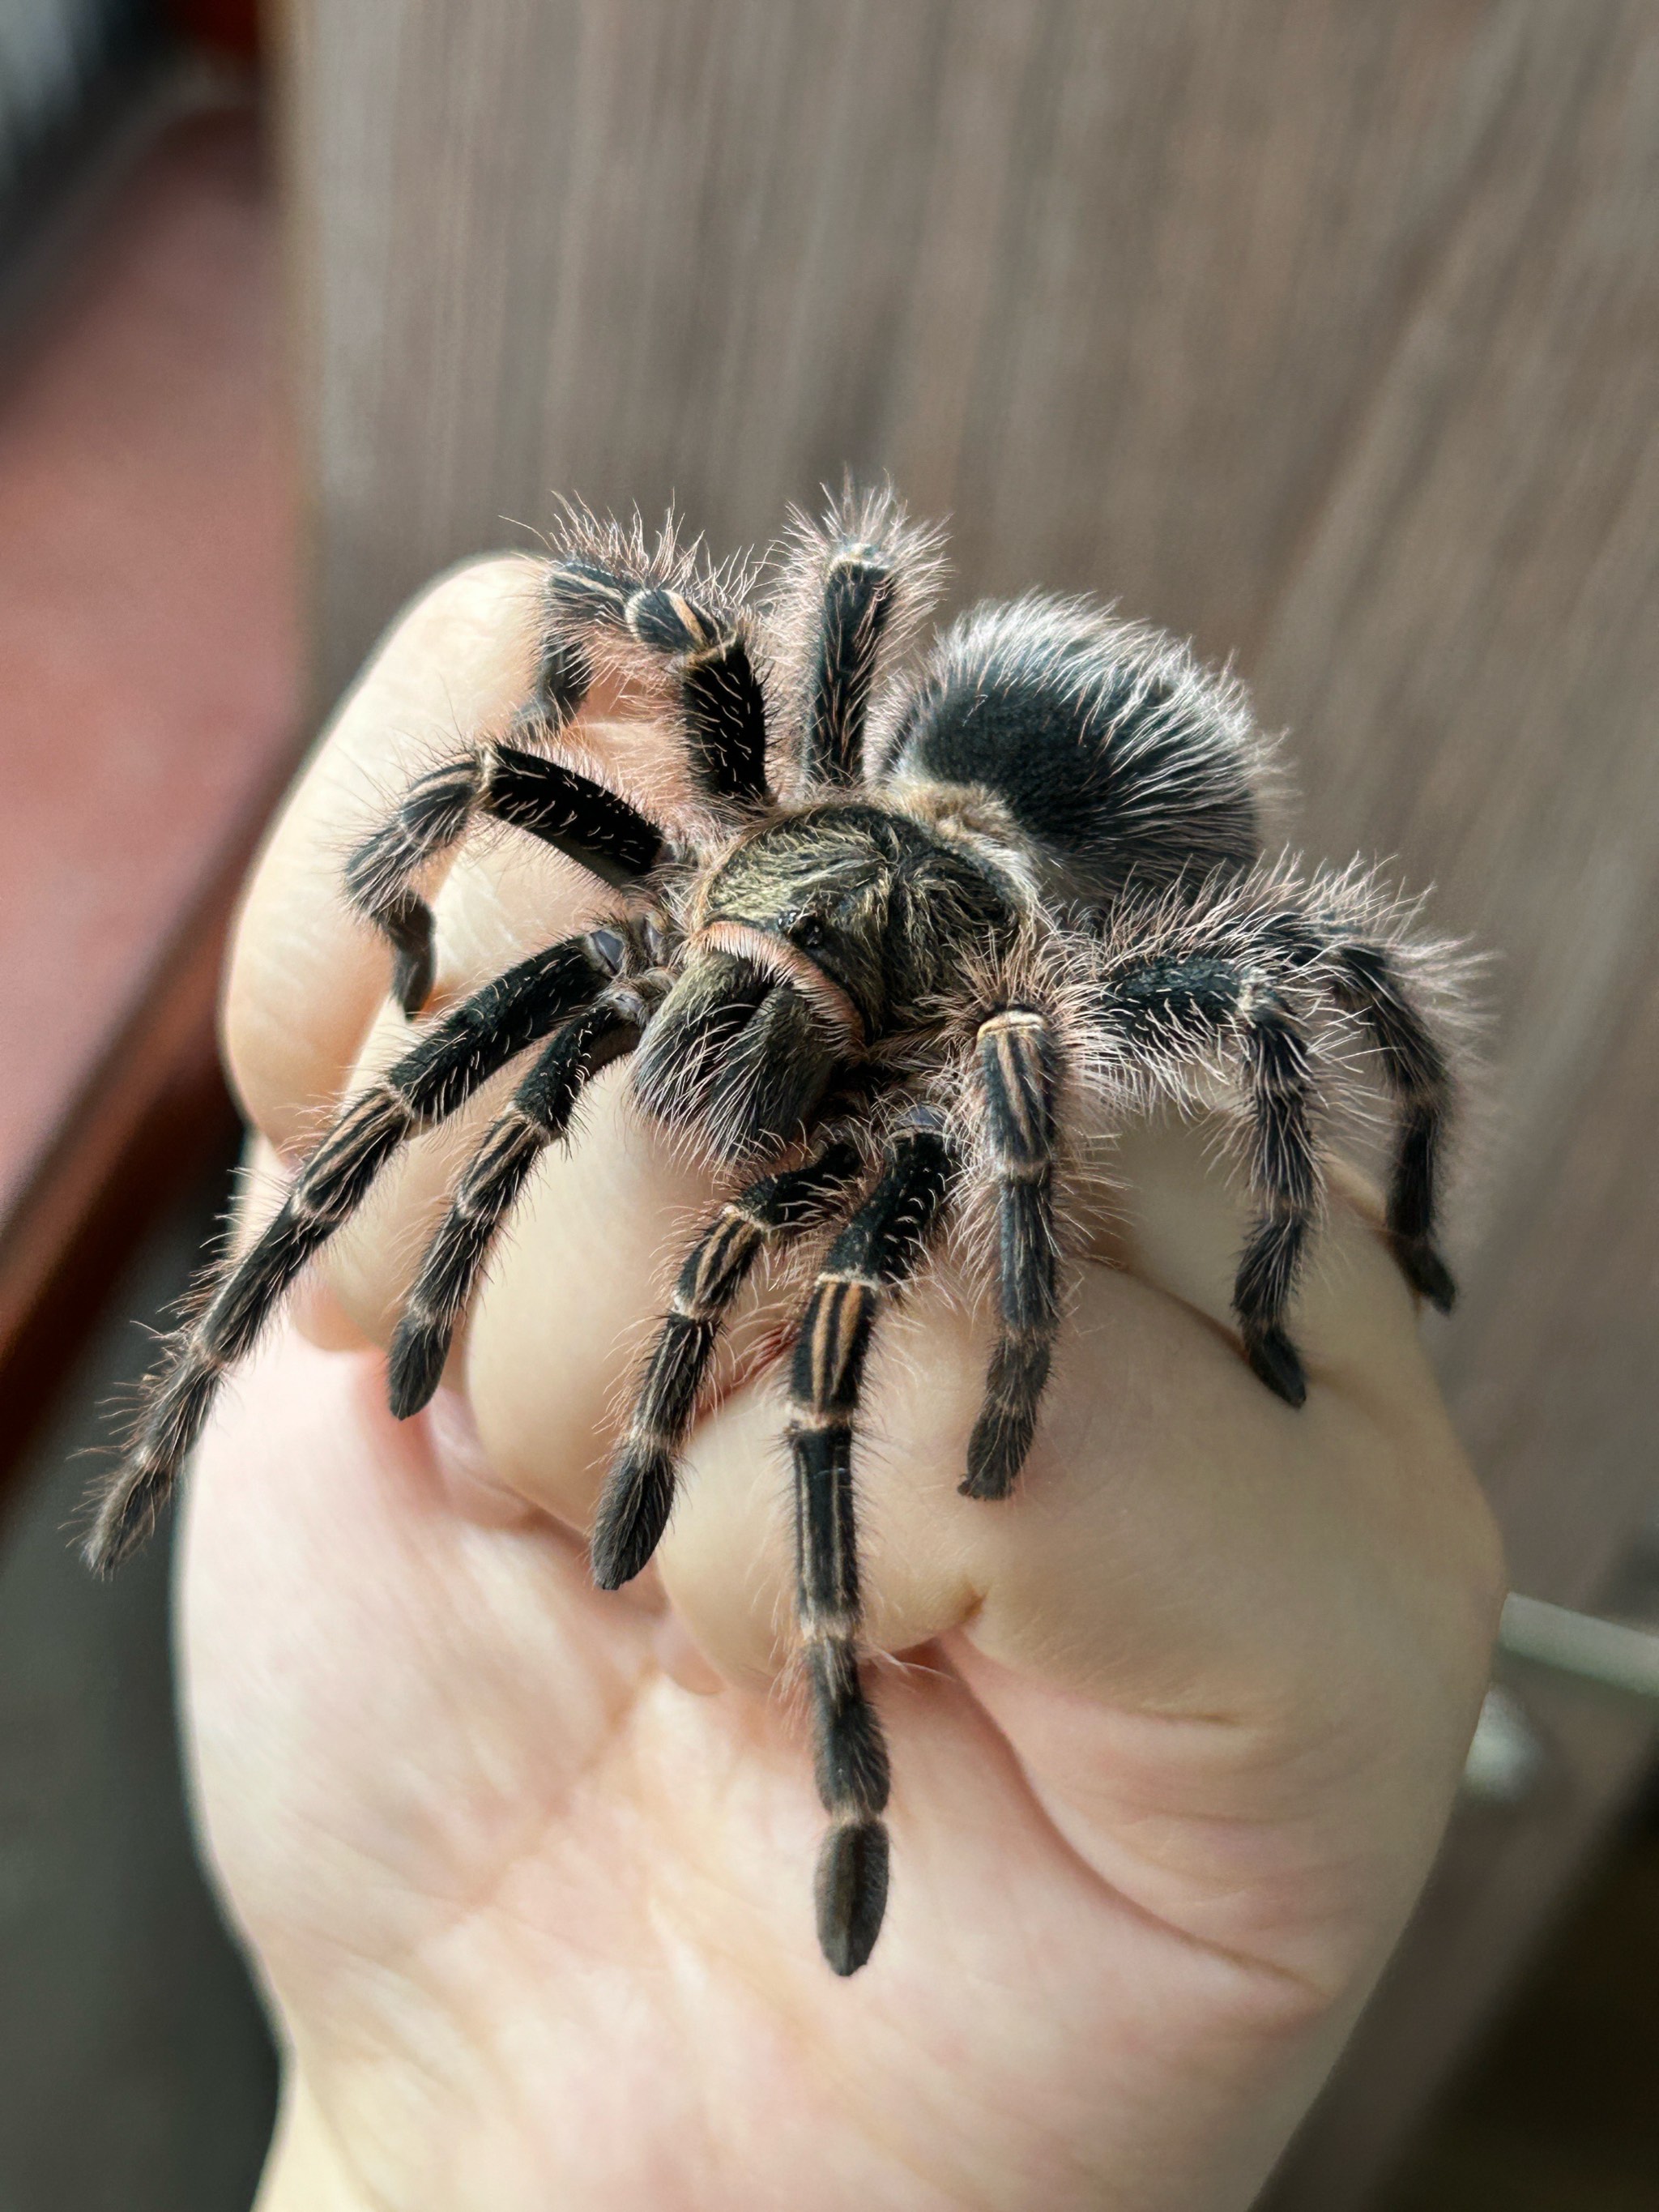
1321,331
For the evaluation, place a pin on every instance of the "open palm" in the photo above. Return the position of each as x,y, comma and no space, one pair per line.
1174,1731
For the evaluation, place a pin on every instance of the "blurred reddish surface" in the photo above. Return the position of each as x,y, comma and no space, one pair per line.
230,26
149,667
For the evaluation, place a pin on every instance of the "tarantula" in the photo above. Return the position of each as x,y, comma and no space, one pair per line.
913,924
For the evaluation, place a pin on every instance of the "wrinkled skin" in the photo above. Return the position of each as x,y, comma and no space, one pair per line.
526,1869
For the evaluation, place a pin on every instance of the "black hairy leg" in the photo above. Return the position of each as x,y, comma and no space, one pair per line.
1164,1015
649,613
639,1491
878,1250
855,585
1016,1059
1285,1172
859,587
539,1116
1366,982
607,603
575,815
434,1077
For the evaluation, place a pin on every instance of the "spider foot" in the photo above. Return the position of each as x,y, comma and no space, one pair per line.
127,1517
633,1514
1426,1271
852,1892
413,970
1279,1364
996,1451
1018,1376
415,1365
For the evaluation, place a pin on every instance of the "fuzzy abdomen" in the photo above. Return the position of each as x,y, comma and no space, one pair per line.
1116,754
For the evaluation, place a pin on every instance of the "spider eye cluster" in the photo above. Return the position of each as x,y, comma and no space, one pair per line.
806,928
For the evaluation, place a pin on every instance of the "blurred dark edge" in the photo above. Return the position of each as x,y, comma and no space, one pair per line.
154,1110
138,2073
151,63
66,172
155,1106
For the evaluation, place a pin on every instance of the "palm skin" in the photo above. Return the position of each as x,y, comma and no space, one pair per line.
1174,1732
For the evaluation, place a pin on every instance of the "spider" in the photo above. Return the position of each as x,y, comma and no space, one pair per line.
919,921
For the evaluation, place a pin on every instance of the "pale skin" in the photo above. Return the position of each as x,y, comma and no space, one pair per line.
526,1869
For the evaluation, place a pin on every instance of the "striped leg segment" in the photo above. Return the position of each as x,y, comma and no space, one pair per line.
427,1084
1283,1164
1367,985
879,1248
639,1492
571,812
1016,1070
539,1116
1179,1010
702,641
694,643
860,587
853,588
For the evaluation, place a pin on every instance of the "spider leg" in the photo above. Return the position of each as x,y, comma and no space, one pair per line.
857,600
855,585
1284,1169
1168,1011
878,1250
1366,983
539,1114
666,620
612,603
571,812
430,1080
639,1491
1016,1070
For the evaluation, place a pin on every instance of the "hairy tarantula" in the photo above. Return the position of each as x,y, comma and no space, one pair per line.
915,923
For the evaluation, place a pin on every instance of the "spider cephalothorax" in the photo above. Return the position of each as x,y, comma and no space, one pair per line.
821,940
907,923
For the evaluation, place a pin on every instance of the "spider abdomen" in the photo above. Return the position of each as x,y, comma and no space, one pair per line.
1117,756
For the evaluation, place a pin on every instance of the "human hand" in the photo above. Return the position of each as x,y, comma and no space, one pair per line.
526,1868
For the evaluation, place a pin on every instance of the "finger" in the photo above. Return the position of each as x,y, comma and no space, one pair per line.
559,1331
333,1600
1172,1510
1171,1503
609,1210
307,975
308,1015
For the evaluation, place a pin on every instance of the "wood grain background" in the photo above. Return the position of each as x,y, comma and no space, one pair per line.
1320,330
